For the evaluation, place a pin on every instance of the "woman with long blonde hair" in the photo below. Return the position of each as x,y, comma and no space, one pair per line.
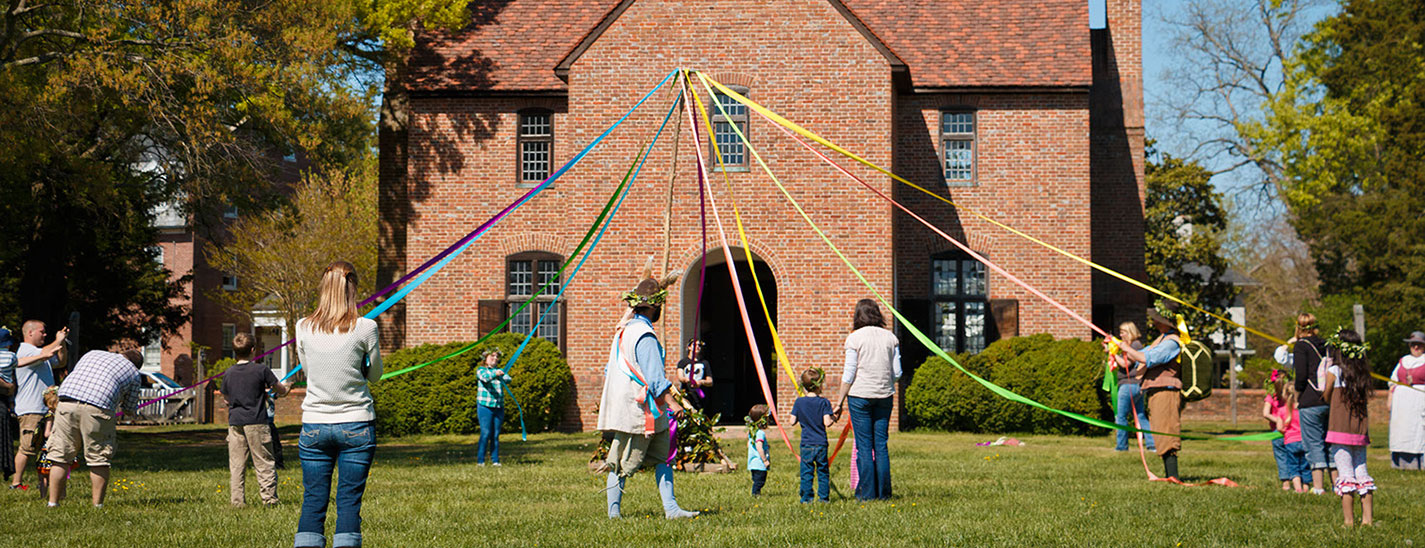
1130,401
341,353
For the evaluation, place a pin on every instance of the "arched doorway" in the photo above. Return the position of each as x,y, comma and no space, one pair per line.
719,323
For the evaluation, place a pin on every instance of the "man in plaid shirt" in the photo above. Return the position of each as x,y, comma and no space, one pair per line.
100,383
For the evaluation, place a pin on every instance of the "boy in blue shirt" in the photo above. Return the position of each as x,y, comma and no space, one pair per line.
813,412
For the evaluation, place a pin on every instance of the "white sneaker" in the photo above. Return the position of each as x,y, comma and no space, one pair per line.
497,464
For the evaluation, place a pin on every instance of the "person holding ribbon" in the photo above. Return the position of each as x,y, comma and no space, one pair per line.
1163,384
341,352
693,374
1129,400
637,398
490,405
873,365
1407,407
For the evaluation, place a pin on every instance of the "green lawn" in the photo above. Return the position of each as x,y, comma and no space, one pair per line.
427,491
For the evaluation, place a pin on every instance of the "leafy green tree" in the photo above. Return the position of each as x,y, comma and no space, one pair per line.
278,255
1349,127
1185,221
109,110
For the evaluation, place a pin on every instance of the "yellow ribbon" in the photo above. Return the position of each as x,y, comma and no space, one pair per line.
769,114
742,236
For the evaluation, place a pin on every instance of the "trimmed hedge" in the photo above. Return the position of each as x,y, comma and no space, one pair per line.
1063,374
441,398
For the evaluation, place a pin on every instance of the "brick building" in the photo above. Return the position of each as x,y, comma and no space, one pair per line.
207,337
1014,108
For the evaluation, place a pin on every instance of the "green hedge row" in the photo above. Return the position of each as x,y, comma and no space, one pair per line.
1063,374
441,398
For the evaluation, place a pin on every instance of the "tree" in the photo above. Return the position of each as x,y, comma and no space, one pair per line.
1185,220
279,255
1280,264
1349,127
1228,59
111,109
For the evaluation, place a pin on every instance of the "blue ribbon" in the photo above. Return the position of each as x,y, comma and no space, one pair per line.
469,240
598,236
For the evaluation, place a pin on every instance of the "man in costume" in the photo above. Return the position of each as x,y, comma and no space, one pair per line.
637,398
1163,384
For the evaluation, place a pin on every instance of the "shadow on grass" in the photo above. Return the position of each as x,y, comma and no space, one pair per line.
206,450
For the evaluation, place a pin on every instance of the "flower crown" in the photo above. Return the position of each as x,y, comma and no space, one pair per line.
1278,375
635,300
754,426
1349,350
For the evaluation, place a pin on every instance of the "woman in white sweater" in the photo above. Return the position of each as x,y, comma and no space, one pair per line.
868,386
340,351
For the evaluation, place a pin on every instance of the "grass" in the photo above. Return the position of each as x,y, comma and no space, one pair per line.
426,491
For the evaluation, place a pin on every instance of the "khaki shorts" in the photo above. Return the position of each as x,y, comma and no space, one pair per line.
79,425
32,434
629,452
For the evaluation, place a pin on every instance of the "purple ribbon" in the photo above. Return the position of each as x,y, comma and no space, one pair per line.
672,438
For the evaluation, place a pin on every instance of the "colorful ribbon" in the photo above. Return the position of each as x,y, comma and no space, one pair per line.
444,256
774,117
934,348
600,236
588,235
731,266
746,248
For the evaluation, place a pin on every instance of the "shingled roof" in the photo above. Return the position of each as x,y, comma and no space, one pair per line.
516,45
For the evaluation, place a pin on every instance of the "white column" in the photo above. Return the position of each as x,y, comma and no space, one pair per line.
285,365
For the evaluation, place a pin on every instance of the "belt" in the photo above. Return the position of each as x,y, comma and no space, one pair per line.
68,399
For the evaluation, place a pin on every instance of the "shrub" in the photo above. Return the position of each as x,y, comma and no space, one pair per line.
219,367
1063,374
441,398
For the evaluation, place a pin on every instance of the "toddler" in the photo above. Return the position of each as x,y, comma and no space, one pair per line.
813,412
1280,410
757,460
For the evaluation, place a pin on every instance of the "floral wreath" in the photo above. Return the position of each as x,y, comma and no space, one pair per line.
1349,350
754,426
635,300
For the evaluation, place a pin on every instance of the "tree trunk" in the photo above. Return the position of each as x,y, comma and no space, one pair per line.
393,198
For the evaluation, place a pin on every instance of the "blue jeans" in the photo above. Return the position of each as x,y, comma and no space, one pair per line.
1130,398
490,419
1291,461
1313,435
871,423
349,448
814,467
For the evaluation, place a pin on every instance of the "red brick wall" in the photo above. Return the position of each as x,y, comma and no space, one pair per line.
1117,166
1218,408
799,59
1037,170
1032,174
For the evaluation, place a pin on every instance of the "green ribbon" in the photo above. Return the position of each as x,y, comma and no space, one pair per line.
587,236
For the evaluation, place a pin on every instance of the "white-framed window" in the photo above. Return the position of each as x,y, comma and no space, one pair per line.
957,145
536,145
230,281
960,294
726,142
526,273
229,331
153,355
157,252
231,212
